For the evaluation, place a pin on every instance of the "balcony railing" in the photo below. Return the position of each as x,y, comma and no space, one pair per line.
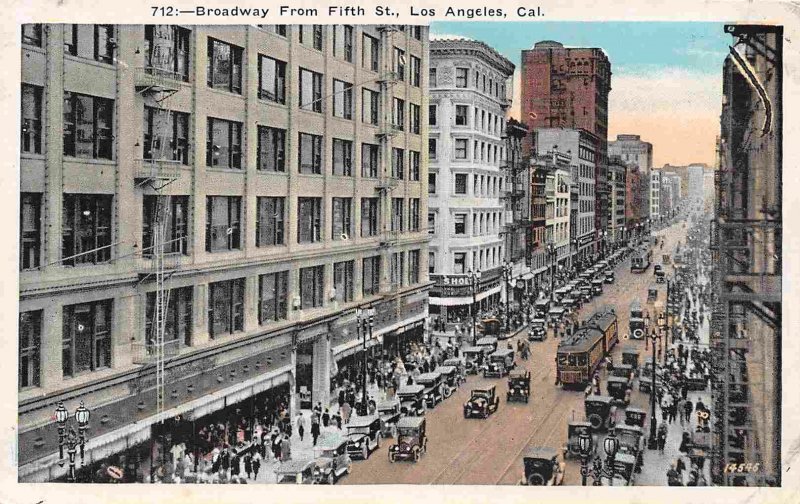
147,353
157,169
157,79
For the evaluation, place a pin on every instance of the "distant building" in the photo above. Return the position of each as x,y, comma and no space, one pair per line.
617,179
696,173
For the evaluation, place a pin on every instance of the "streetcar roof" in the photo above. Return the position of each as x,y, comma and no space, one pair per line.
602,319
541,452
582,340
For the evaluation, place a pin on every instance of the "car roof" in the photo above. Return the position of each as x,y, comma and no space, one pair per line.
542,301
635,409
484,389
452,360
293,466
487,340
541,452
617,379
503,351
630,351
331,441
518,373
599,398
362,421
445,369
471,349
410,422
429,376
624,427
386,404
625,457
410,389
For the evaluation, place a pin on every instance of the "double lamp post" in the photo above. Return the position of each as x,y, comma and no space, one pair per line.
69,438
598,470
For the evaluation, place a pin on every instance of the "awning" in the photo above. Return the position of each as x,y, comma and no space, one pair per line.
354,346
465,300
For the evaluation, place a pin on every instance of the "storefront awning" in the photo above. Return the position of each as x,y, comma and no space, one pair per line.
465,300
354,346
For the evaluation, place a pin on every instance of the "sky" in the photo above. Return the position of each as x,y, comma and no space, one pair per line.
666,82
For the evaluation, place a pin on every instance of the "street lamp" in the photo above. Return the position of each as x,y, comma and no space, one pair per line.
585,448
610,445
474,277
551,252
71,439
365,322
651,441
605,233
507,272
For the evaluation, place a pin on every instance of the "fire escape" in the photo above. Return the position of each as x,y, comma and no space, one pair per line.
154,171
516,195
746,250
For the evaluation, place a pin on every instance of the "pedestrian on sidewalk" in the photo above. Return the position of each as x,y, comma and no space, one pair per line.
301,425
337,420
347,411
248,464
326,418
673,477
662,437
256,464
681,409
314,428
276,446
286,449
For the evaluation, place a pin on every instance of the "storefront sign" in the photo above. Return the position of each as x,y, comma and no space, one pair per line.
586,239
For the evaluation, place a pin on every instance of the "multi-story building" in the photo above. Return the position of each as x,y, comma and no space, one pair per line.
617,179
748,258
580,146
632,149
253,186
708,190
655,196
670,193
557,191
636,210
696,181
466,208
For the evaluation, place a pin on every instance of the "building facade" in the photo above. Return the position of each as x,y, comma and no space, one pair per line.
632,149
466,185
636,210
696,181
655,196
617,179
269,177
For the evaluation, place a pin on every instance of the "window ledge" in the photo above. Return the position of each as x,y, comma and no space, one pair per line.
106,162
32,156
93,62
223,92
240,171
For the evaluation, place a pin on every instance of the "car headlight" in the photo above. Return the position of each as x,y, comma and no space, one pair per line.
466,404
358,444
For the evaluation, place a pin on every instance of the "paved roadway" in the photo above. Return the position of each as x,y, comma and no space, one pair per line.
489,452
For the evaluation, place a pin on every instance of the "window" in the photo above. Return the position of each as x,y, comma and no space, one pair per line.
369,52
432,109
166,50
279,30
413,214
461,77
371,276
310,90
369,217
413,162
71,39
31,129
30,343
226,307
271,149
461,148
271,79
369,160
166,135
311,287
224,144
32,34
177,318
311,35
460,221
398,155
415,113
431,148
342,218
310,158
416,70
30,227
431,223
86,337
223,223
224,70
397,269
413,267
431,262
86,233
431,77
343,42
369,106
461,183
431,183
342,99
459,262
398,206
174,223
270,221
342,157
343,280
88,126
398,113
461,115
416,32
399,63
309,222
104,43
272,297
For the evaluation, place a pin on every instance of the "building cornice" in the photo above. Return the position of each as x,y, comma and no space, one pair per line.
472,48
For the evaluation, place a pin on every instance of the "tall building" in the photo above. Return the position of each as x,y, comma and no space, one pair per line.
636,210
655,196
632,149
617,179
204,211
748,258
671,192
696,181
467,150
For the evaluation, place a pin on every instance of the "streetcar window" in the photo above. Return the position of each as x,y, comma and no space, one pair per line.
562,360
571,360
582,360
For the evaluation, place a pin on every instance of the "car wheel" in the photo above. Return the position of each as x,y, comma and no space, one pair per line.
391,458
416,455
365,452
330,479
349,468
377,443
535,479
394,431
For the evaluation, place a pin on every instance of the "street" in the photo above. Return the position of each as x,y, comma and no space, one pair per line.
473,451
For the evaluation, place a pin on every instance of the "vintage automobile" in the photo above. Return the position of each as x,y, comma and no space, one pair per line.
519,386
652,294
574,430
389,413
411,440
363,434
658,268
635,416
474,358
577,295
597,286
636,321
556,315
561,293
450,380
412,400
631,441
542,467
296,472
660,276
489,342
586,293
600,411
482,403
542,306
491,327
646,376
624,371
570,303
500,363
458,364
433,388
619,389
538,330
630,357
625,467
608,277
333,461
